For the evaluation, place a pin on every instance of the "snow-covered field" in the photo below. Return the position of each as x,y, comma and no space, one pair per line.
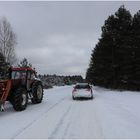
111,114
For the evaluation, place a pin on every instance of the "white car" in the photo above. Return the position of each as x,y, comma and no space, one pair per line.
82,90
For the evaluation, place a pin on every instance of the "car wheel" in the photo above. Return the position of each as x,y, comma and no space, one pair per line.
73,98
91,96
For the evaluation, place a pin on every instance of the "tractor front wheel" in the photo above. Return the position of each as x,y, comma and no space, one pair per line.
37,92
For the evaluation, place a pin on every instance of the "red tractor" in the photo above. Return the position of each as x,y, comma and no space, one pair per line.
21,85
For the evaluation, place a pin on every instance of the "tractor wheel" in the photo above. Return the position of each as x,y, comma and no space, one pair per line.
37,92
19,99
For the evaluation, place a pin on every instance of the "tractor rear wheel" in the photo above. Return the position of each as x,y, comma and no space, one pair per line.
37,92
20,99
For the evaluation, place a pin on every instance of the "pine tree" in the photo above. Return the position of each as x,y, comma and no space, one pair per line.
123,45
3,66
111,57
2,61
136,49
25,64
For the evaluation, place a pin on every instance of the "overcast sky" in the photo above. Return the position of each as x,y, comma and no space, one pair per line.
58,37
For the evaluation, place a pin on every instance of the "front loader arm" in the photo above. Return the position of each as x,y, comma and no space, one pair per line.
5,87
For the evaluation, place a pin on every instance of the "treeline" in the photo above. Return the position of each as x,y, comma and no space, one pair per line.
54,80
115,60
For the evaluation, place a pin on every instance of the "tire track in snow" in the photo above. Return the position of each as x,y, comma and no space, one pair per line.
38,117
60,123
66,129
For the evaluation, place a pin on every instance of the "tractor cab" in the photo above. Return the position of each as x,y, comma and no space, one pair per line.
23,77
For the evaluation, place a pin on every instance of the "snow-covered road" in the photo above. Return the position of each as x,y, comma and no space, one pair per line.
111,114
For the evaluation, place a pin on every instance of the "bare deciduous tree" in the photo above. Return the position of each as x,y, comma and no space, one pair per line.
7,41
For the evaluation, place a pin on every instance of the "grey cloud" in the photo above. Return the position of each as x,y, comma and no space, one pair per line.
57,37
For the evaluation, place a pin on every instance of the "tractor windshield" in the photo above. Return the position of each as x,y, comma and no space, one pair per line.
18,75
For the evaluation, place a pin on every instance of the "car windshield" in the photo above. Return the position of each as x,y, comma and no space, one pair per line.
82,86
